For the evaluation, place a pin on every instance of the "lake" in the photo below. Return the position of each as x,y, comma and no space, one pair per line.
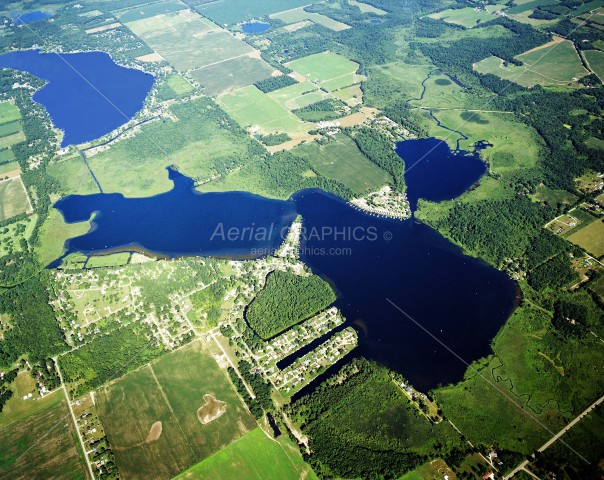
368,260
30,17
255,27
434,172
87,95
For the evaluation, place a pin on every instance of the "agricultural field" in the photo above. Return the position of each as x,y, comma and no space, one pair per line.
228,12
13,198
194,141
555,63
175,86
146,11
468,17
341,160
328,70
222,77
366,8
288,97
252,108
254,456
353,95
167,416
43,445
595,60
10,131
553,197
299,15
590,238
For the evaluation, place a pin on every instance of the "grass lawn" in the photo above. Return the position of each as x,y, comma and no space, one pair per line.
595,60
42,445
253,457
227,12
13,198
556,64
590,238
231,74
324,67
251,107
342,160
170,391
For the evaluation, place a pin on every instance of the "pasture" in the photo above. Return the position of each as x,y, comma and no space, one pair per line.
366,8
555,63
8,113
252,108
13,198
297,15
174,86
595,60
287,97
228,12
328,70
352,95
170,391
590,238
231,74
253,457
467,17
341,160
43,445
553,197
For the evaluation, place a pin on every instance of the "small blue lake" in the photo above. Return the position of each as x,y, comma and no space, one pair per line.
30,17
255,27
369,260
87,95
434,172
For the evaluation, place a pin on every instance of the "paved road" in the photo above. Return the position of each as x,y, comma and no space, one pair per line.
557,436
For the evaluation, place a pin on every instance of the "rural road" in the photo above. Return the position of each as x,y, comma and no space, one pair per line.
557,436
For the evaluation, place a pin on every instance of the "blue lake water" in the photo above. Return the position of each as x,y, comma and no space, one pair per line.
434,172
367,259
255,27
87,95
30,17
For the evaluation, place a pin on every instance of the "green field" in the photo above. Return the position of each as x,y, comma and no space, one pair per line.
287,97
529,5
6,155
137,166
13,198
9,167
146,11
43,445
341,160
252,108
299,15
556,64
232,74
170,391
112,260
467,17
595,60
11,235
590,238
254,456
327,69
54,232
8,113
227,12
553,197
174,86
366,8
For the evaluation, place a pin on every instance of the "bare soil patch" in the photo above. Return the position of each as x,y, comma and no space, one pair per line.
211,410
154,432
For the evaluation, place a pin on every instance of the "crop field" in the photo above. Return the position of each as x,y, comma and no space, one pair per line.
353,95
43,445
137,166
146,11
341,160
554,64
328,70
153,420
8,113
175,86
252,108
525,6
467,17
287,97
595,60
366,8
228,12
299,14
590,238
13,198
166,22
231,74
254,456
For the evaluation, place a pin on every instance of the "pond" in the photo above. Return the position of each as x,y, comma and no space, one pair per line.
87,95
370,261
30,17
255,27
